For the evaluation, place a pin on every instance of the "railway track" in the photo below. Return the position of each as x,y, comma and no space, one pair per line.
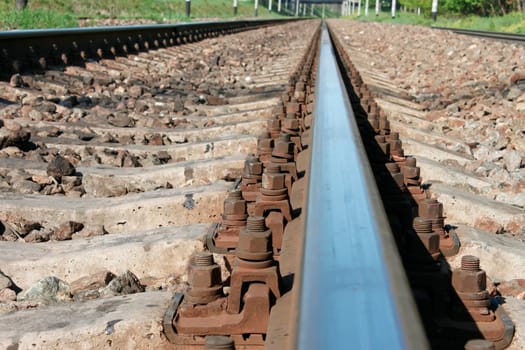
512,37
260,160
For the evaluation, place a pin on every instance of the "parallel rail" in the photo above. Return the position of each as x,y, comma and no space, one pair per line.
22,50
513,37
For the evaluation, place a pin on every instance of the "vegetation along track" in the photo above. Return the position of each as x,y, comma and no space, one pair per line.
117,172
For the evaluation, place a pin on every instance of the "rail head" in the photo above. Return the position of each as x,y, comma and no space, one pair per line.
354,291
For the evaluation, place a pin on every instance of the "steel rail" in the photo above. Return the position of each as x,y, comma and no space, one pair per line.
514,37
26,49
353,289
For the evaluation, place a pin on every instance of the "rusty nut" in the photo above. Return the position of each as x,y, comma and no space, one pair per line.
234,206
465,281
204,276
272,181
290,124
265,143
256,246
274,124
430,241
431,208
410,172
283,147
292,107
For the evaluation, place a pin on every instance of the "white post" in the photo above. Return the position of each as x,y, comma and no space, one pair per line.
304,9
366,8
270,5
297,8
434,9
419,11
324,5
377,7
359,8
279,6
393,8
312,9
235,7
256,8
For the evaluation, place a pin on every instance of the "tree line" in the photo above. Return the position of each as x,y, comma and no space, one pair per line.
466,7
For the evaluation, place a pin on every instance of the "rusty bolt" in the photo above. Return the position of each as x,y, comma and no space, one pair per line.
272,178
252,165
410,162
470,283
396,147
410,170
393,169
392,136
290,124
469,278
384,124
385,147
255,240
204,278
292,107
265,142
283,146
234,204
274,124
431,208
428,237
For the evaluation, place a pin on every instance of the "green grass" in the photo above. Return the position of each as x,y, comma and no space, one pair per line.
38,18
511,23
64,13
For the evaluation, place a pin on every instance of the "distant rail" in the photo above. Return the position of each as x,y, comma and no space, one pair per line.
518,38
22,50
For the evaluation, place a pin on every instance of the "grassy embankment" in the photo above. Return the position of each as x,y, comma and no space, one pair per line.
65,13
511,23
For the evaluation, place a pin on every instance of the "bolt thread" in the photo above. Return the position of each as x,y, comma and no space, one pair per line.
470,263
203,259
235,194
255,224
422,225
273,168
